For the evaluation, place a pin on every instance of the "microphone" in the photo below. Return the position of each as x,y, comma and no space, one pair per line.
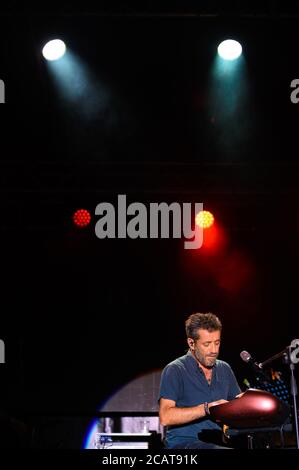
246,357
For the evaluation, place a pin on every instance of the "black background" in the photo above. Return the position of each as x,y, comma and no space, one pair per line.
81,316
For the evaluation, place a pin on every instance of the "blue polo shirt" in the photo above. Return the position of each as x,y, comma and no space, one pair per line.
184,382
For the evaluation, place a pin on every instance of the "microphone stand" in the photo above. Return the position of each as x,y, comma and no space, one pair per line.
291,361
294,392
271,359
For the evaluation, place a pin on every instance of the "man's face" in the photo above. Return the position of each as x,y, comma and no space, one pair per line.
206,347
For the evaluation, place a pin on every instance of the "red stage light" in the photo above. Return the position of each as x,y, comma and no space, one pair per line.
81,218
204,219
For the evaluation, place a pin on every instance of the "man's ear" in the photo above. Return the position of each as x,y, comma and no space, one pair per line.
190,343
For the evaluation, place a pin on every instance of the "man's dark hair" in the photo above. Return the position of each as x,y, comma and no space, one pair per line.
205,321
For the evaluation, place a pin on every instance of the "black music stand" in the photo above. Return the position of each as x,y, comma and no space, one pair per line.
277,387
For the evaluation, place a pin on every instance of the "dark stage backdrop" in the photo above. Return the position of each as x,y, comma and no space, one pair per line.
82,317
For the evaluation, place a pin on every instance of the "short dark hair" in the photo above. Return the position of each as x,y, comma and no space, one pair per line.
205,321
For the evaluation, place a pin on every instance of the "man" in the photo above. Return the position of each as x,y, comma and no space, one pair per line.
193,383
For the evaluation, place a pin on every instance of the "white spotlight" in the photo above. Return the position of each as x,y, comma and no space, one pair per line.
54,50
229,49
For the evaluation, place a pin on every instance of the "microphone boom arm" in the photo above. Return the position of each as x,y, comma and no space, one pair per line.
273,358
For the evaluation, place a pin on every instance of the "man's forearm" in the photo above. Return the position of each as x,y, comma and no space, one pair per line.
175,415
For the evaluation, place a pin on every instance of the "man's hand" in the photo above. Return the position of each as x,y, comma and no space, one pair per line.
217,402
